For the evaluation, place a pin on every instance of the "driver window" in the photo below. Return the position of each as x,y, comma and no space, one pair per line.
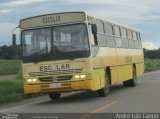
94,47
91,36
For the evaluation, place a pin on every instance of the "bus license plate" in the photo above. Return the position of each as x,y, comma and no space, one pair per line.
55,85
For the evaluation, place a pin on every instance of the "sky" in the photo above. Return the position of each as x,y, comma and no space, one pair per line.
140,14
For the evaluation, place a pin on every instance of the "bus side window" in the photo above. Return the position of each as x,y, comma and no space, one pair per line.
100,26
118,36
130,39
139,40
135,40
124,37
134,35
108,29
129,34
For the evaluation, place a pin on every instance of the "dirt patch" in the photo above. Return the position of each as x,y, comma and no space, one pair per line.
8,77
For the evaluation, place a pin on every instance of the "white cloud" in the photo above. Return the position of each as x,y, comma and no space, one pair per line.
11,6
125,11
93,1
6,33
21,2
149,46
140,14
4,11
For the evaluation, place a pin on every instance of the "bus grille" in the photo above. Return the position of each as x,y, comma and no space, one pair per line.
63,78
46,79
57,72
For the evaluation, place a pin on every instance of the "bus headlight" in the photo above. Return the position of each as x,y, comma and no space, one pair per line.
76,76
31,80
34,80
80,76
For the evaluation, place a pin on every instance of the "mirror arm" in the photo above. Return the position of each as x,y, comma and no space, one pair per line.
15,29
14,36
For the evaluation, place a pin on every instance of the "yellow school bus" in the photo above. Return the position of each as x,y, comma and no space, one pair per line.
73,51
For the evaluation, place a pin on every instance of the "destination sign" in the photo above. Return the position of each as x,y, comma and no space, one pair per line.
52,19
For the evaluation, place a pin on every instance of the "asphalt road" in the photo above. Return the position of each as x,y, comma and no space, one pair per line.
145,97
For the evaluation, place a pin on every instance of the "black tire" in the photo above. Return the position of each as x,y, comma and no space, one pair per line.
54,96
132,82
105,90
126,83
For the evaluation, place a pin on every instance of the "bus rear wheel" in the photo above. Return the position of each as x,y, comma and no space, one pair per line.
132,82
54,96
105,90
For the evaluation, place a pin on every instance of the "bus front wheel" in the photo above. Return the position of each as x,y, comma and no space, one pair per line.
54,96
105,90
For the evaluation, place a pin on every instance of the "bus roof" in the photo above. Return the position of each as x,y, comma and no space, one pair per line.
85,13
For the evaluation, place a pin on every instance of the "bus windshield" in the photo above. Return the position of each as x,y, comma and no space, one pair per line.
59,42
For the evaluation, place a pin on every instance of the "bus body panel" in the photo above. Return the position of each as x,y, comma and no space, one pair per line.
80,73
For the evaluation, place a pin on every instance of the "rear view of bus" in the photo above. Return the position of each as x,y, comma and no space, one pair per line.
58,56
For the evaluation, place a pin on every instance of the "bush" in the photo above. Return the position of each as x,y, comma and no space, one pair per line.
152,64
9,67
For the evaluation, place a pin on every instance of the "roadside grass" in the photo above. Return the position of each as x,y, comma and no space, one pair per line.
11,90
152,65
10,67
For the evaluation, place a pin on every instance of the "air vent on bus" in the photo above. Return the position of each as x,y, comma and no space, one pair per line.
46,79
62,78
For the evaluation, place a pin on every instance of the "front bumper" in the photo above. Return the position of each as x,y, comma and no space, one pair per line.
65,86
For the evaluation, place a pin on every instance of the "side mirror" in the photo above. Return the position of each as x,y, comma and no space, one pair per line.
14,39
94,29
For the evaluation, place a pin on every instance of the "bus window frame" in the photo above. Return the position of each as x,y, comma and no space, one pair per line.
52,27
